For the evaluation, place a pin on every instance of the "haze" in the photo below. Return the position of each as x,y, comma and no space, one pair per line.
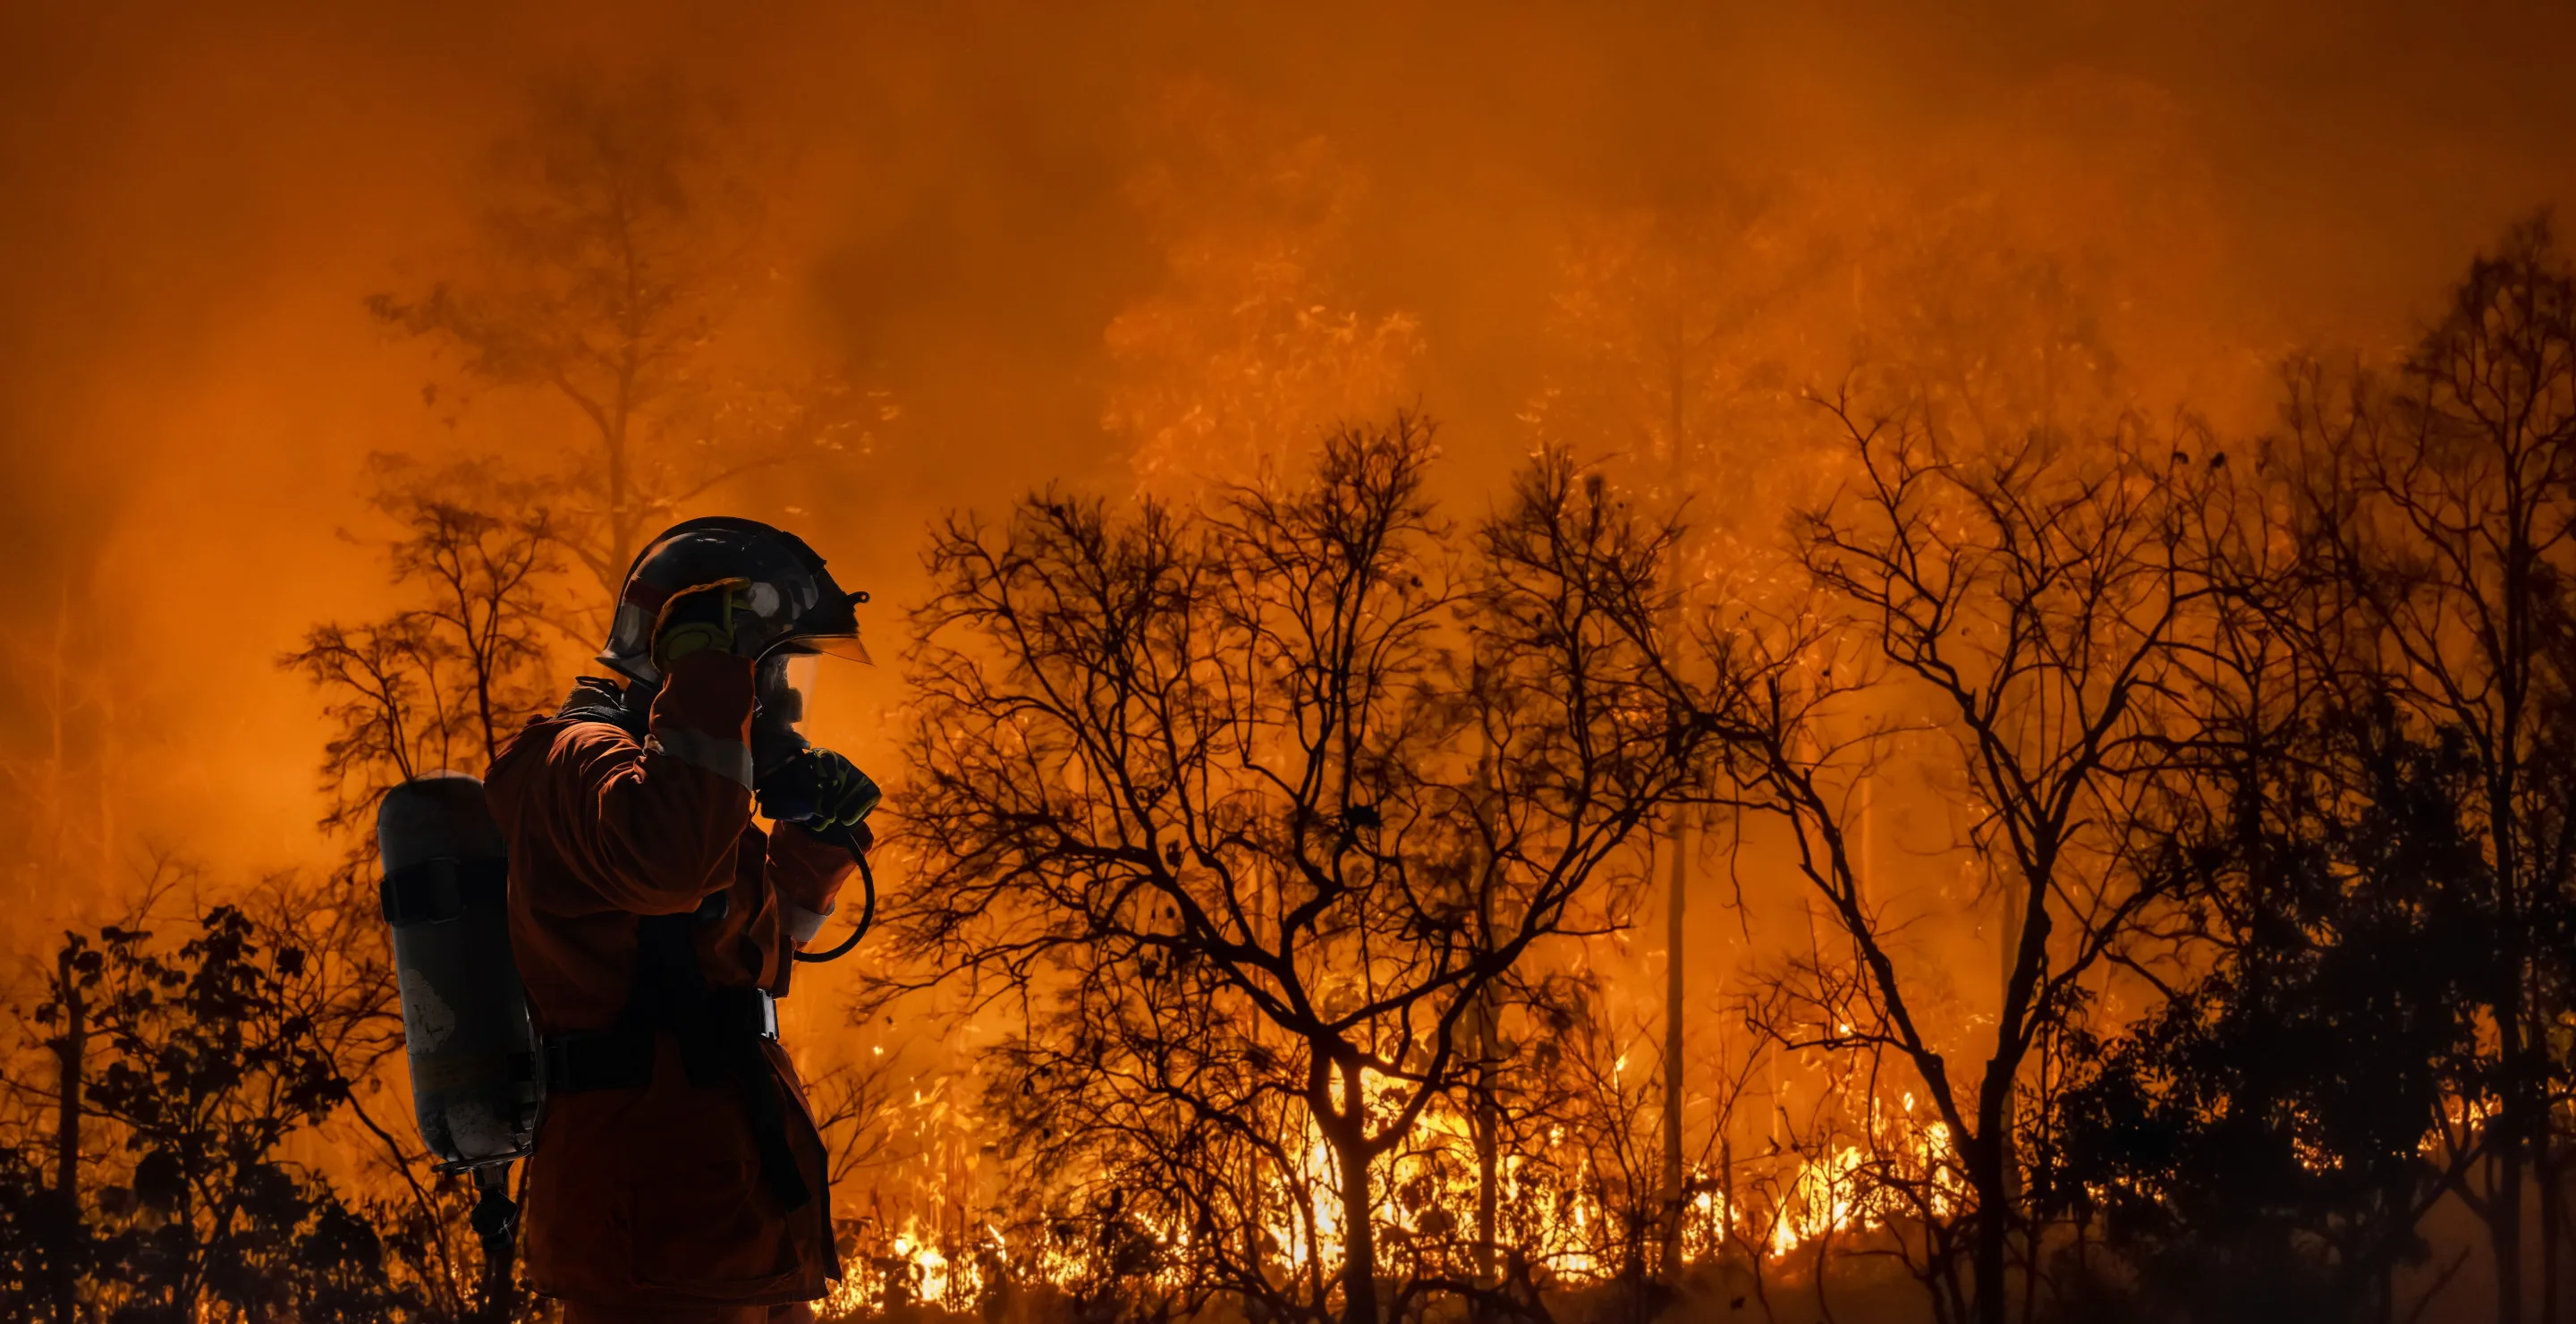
195,199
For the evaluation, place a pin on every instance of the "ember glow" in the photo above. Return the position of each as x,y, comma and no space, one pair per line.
1876,661
1557,1216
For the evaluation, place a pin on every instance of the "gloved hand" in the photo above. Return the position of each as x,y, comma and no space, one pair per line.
822,790
697,619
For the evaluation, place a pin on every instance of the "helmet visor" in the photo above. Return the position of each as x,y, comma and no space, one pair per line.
845,646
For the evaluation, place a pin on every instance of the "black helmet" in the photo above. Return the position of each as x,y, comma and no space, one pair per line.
799,608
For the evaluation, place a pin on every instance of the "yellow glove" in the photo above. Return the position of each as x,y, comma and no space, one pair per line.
697,619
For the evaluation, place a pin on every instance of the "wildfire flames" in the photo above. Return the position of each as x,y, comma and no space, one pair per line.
1554,1212
1677,654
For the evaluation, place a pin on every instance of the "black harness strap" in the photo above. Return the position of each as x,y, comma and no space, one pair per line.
443,889
719,1032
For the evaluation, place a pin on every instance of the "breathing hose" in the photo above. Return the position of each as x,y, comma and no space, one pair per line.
867,916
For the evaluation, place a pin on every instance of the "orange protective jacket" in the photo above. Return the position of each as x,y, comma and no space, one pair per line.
653,1198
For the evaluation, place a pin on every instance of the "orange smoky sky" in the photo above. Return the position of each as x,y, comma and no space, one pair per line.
194,199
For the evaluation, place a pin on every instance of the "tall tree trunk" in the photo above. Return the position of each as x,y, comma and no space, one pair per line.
1987,1164
1488,1125
1678,365
2512,1129
2505,1229
2538,1134
2552,1223
1359,1234
1992,1169
1723,1228
71,1058
1487,1122
1675,894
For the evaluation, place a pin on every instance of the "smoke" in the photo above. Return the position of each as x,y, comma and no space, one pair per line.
193,200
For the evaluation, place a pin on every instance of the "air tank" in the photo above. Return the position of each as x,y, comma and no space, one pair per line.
474,1081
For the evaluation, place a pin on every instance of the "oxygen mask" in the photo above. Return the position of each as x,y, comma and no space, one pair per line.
783,695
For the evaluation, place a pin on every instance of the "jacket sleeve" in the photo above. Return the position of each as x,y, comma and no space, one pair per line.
652,828
807,874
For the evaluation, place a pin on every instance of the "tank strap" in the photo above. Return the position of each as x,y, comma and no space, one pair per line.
443,889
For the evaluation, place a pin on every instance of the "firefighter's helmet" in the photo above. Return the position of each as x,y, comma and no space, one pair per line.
797,607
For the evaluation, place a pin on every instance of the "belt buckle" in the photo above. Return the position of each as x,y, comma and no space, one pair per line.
766,1023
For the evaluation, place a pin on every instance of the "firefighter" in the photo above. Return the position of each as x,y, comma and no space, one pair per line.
677,1173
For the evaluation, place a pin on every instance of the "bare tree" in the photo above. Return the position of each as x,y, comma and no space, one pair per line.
2036,603
1205,791
615,243
445,680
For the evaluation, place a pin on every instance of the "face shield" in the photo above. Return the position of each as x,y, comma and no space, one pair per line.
782,700
783,691
784,683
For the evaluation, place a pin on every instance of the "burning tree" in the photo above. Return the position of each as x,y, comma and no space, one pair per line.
613,246
1666,332
2035,606
1250,808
